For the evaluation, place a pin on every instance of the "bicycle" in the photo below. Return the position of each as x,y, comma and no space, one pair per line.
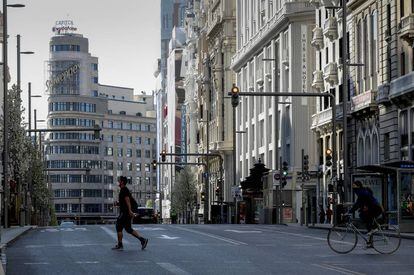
343,238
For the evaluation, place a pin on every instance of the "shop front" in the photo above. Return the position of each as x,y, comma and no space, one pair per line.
393,186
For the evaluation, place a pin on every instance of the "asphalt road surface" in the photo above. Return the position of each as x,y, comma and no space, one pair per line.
196,249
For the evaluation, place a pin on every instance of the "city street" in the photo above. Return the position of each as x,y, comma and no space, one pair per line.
196,249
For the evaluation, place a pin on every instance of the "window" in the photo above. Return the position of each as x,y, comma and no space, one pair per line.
404,134
120,139
94,66
374,48
387,146
109,151
92,193
95,79
122,113
402,63
120,166
147,167
95,93
129,152
139,180
147,153
138,167
402,8
129,166
129,139
138,151
120,152
110,124
92,207
148,141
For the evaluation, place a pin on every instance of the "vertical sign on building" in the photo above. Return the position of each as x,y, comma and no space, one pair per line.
304,70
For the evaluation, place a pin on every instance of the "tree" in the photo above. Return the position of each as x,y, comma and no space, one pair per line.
184,193
24,164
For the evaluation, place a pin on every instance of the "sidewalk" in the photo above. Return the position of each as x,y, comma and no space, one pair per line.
328,226
8,236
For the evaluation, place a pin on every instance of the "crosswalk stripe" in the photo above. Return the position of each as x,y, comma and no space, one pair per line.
112,234
173,269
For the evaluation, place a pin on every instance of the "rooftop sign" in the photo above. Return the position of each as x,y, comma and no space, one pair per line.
64,27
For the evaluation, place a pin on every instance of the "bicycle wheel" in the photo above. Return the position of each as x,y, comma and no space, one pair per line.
387,239
342,239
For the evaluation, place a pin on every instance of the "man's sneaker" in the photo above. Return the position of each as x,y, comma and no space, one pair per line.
118,247
144,244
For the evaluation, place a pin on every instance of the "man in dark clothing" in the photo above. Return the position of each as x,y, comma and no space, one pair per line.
369,208
125,216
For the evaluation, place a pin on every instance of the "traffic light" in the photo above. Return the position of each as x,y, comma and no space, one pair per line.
97,132
305,168
328,158
154,164
203,196
283,178
235,96
218,191
163,155
285,169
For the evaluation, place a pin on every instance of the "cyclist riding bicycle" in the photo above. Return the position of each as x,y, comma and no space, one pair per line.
369,208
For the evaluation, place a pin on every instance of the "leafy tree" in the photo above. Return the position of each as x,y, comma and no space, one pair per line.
184,193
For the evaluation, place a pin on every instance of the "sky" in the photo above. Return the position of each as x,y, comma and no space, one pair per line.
123,34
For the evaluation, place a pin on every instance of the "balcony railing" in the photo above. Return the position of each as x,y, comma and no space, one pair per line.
330,72
402,87
406,31
318,83
317,38
330,28
363,101
383,93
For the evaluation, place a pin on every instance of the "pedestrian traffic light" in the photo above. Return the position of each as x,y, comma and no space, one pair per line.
163,155
328,158
235,96
154,164
203,196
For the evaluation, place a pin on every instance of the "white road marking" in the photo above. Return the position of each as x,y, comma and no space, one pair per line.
149,228
40,263
166,237
213,236
242,231
87,262
338,269
49,230
173,269
189,244
113,234
35,246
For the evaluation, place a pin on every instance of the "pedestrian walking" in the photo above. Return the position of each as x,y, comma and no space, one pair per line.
126,204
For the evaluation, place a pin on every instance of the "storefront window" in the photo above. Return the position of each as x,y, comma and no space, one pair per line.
407,196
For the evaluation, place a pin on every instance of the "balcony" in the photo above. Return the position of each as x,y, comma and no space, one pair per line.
406,30
402,89
318,3
330,28
364,102
383,94
318,83
330,73
317,38
285,57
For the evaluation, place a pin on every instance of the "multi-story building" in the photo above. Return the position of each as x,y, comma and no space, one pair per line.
83,170
216,114
279,30
172,15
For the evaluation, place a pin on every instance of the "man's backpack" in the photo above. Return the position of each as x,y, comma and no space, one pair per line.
134,204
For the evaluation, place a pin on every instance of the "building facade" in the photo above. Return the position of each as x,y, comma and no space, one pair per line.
81,169
280,31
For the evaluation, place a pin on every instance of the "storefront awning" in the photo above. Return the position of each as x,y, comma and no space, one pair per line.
388,167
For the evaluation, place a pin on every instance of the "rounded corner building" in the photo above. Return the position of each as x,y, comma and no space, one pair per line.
82,170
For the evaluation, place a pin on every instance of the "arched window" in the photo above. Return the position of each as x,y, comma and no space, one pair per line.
368,149
360,151
375,148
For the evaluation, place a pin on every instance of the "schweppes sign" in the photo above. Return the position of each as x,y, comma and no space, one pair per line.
69,72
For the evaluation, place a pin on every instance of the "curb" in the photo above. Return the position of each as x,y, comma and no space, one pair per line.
403,235
3,246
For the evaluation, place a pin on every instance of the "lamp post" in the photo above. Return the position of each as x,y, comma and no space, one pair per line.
5,187
19,53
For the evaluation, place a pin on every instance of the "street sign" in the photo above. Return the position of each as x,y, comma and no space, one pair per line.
236,193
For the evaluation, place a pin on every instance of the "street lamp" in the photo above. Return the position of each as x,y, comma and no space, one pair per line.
30,96
19,53
5,115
